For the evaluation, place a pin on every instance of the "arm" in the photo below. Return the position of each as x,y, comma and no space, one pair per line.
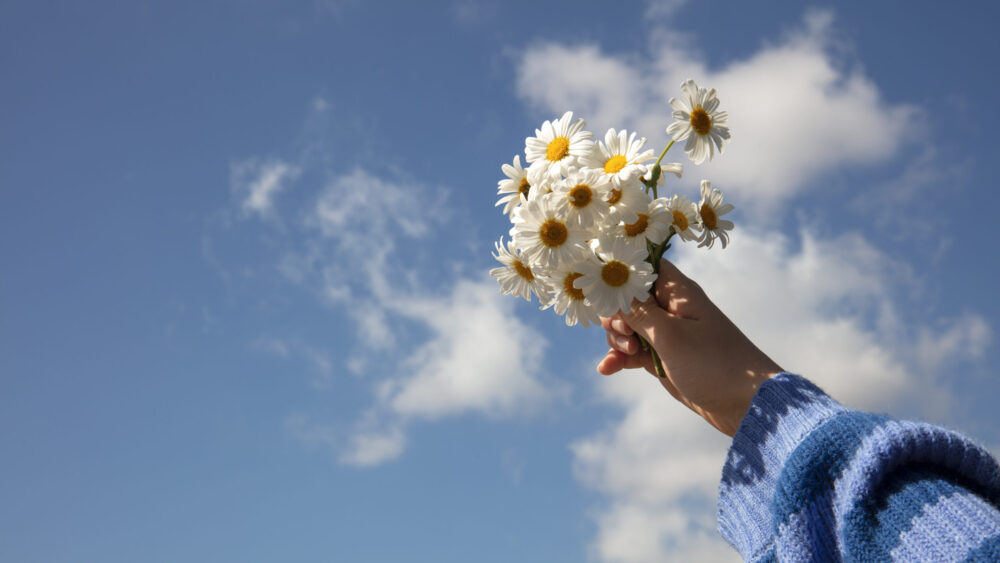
807,478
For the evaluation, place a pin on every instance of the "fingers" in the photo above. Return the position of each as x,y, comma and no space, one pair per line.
651,320
678,294
622,343
615,361
616,324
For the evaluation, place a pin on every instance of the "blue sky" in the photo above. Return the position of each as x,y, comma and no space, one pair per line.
244,309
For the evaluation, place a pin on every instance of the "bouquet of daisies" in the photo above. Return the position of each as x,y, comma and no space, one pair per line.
589,227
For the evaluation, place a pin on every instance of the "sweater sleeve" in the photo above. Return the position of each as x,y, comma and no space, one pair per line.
808,479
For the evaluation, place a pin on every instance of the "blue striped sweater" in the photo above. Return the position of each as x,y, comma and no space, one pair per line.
807,479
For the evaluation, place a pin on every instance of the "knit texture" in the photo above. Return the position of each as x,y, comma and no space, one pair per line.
807,479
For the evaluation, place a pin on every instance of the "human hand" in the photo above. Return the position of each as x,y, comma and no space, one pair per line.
710,366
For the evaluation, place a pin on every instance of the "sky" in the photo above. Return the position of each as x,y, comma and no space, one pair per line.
245,309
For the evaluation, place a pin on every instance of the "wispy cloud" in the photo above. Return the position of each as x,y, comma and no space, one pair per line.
431,348
257,183
317,361
662,9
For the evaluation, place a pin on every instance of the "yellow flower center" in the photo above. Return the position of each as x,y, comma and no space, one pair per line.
570,289
614,273
580,196
709,217
615,196
615,164
701,122
553,233
524,188
523,271
557,150
680,220
639,227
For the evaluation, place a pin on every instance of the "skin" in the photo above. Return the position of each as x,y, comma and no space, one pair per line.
711,366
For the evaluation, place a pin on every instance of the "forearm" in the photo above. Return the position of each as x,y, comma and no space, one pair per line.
807,477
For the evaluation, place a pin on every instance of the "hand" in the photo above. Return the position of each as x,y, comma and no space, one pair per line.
711,367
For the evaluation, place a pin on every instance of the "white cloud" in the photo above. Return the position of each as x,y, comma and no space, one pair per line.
795,110
966,336
661,9
361,207
603,89
258,183
370,447
471,354
480,357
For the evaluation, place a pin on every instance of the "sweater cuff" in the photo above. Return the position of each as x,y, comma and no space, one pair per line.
784,410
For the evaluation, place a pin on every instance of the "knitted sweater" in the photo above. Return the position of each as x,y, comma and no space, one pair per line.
807,479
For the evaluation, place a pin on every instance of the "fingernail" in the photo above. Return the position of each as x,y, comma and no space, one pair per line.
621,341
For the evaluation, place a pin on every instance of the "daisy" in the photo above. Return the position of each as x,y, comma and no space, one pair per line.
516,186
516,277
710,208
627,200
699,121
684,216
568,299
558,144
625,275
620,156
544,235
652,225
582,197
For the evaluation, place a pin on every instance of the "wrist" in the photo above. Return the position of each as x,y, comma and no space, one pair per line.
728,422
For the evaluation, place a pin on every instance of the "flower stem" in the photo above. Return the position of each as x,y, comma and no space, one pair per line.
657,365
655,253
654,174
664,153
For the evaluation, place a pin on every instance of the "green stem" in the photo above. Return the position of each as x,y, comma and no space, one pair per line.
664,153
657,364
655,253
654,174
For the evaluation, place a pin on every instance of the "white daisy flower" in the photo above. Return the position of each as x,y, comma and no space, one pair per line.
544,235
627,200
625,275
675,168
516,277
568,299
582,197
710,209
516,186
684,217
652,225
558,144
620,156
699,121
